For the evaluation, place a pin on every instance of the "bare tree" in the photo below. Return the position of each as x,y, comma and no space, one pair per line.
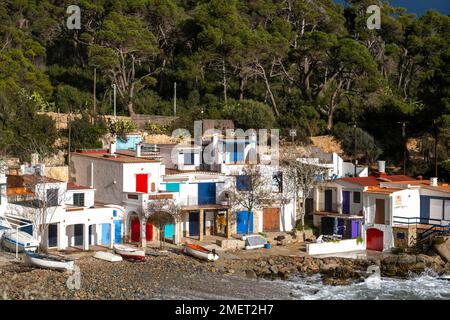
160,213
303,174
251,191
45,197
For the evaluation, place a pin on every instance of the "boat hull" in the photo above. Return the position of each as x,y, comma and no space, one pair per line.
107,256
47,262
130,253
26,241
203,254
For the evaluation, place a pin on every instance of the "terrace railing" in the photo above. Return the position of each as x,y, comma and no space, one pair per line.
436,226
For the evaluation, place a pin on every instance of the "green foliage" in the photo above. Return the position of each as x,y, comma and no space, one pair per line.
154,128
120,128
308,66
249,114
86,133
366,146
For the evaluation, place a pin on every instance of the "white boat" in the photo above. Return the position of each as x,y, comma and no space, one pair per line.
129,252
48,261
254,241
107,256
4,225
12,239
200,252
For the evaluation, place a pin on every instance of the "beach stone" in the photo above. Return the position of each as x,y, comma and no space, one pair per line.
390,260
271,262
407,259
443,250
274,269
250,274
427,260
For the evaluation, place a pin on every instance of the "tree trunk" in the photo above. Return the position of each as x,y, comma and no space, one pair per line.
143,233
269,91
249,213
241,88
224,71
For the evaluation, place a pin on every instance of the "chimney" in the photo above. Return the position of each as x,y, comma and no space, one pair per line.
434,182
381,166
138,150
112,147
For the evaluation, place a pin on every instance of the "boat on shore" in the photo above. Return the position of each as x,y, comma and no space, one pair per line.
107,256
200,252
48,261
20,240
131,253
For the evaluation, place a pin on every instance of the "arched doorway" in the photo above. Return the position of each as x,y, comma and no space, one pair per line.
374,240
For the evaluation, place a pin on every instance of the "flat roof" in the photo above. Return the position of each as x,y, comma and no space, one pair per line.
117,157
73,186
380,190
375,181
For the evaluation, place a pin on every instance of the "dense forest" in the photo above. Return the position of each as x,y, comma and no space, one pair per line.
309,65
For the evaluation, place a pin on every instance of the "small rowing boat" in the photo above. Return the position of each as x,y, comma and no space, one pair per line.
21,240
48,261
200,252
129,252
107,256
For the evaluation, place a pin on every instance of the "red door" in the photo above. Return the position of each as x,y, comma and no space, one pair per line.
149,231
135,230
374,240
142,183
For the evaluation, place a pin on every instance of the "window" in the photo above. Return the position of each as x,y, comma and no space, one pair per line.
78,199
447,210
52,197
356,197
277,182
243,183
436,210
189,158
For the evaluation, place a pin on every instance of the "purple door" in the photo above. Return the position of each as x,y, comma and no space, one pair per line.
346,202
355,229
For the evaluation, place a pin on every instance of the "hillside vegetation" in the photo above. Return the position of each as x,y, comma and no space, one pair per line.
309,65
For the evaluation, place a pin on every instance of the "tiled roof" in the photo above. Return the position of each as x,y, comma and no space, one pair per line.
375,181
120,158
73,186
28,179
378,190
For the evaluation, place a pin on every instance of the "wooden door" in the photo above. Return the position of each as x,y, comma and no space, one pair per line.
346,202
135,230
380,211
271,219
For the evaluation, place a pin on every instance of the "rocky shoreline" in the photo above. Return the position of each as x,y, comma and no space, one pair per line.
177,276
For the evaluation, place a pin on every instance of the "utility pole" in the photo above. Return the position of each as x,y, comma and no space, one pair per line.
95,92
354,146
175,99
115,101
404,146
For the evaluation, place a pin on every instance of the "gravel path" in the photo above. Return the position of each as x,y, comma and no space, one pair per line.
172,277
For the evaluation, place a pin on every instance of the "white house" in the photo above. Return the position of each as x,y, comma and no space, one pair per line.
61,215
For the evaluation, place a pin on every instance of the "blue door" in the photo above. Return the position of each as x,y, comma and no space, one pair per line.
168,231
341,227
355,229
106,229
242,222
346,202
193,224
206,193
117,231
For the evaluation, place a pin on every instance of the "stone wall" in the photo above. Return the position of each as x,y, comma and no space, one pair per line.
405,237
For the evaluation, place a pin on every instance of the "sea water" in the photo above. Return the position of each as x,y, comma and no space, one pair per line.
427,286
